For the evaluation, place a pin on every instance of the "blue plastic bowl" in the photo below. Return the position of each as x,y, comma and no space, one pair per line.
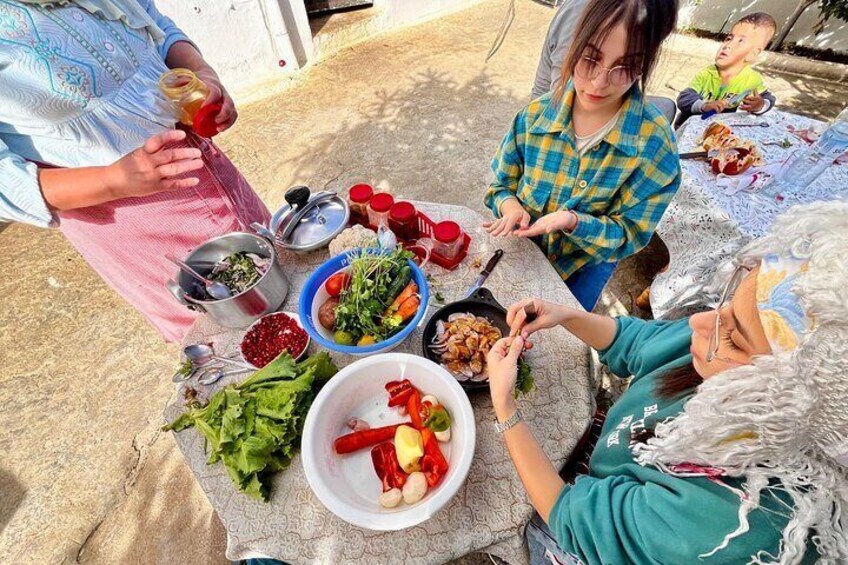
314,287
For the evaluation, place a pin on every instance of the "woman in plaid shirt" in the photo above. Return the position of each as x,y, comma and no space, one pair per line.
588,170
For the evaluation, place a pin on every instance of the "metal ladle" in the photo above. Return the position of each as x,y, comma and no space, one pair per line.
202,354
216,290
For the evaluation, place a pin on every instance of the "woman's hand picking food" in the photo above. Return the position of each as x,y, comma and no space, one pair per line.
534,314
154,168
513,217
503,373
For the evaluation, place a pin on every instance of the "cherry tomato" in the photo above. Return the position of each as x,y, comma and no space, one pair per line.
337,283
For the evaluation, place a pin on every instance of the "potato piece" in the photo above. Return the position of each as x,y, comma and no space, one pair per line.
391,498
327,313
415,487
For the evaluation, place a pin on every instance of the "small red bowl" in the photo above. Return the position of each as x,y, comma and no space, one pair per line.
262,329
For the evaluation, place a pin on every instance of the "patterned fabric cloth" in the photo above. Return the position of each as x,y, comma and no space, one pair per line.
781,314
617,192
706,224
76,90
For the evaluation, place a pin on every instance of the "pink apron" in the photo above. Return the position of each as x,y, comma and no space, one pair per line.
126,240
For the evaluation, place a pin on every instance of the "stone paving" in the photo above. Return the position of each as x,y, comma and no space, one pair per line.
85,474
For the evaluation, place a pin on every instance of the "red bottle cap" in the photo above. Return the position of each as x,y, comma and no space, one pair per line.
447,232
204,121
402,211
361,193
381,202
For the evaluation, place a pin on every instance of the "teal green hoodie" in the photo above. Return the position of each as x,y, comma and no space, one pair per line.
623,512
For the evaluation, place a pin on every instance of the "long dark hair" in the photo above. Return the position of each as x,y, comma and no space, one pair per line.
648,23
678,382
673,384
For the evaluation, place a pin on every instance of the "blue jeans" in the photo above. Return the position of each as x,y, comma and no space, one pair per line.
588,282
543,547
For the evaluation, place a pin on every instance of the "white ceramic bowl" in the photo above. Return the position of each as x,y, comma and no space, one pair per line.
347,484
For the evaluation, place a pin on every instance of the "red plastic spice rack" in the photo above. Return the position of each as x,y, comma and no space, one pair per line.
426,227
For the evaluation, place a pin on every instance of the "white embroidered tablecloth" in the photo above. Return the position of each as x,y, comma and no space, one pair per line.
492,508
705,224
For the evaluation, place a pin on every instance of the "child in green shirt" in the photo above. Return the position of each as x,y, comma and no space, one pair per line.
731,82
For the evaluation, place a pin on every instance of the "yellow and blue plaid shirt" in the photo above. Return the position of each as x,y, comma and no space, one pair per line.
619,188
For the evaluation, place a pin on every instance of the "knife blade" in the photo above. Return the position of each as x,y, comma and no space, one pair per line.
695,155
487,270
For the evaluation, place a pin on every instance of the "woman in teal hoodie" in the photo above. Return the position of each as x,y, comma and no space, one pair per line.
731,442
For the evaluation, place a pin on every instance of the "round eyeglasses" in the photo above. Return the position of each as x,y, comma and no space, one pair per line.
588,68
715,338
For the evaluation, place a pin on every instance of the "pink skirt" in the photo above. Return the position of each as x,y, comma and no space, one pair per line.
126,240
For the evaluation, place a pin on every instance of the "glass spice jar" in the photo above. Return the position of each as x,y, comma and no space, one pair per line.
378,209
358,198
403,220
185,91
449,239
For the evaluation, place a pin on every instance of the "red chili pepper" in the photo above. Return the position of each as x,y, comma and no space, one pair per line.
433,463
414,407
365,438
386,466
399,392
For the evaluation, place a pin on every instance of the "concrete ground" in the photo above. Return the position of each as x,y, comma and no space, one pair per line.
85,475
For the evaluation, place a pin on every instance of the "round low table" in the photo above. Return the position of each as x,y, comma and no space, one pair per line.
491,509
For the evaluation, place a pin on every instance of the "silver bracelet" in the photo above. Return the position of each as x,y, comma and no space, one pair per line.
501,427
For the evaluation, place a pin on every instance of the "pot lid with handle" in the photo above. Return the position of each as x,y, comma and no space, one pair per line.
309,220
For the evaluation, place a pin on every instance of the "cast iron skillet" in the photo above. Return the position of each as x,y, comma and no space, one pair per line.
482,304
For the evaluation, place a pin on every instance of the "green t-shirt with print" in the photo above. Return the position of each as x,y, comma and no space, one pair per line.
708,85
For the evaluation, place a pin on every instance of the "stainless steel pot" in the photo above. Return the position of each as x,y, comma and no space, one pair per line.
243,309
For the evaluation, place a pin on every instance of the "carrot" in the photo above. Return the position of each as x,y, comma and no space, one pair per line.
408,308
410,290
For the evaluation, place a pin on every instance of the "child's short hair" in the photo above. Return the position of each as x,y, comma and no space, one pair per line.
760,20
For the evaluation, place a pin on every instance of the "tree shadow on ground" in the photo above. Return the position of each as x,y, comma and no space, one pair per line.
416,140
12,494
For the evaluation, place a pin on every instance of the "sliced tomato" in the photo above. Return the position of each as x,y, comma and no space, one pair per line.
337,283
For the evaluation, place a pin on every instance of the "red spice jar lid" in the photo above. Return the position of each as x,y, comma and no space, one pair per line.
204,121
381,202
402,211
447,231
361,193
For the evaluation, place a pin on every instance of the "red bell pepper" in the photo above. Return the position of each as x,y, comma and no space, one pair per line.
364,438
386,466
399,392
418,412
433,463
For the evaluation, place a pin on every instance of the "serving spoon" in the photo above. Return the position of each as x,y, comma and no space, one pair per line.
216,290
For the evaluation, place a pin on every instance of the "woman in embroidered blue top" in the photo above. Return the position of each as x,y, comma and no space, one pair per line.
588,170
87,144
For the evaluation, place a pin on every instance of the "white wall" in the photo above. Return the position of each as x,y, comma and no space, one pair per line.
711,15
244,40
